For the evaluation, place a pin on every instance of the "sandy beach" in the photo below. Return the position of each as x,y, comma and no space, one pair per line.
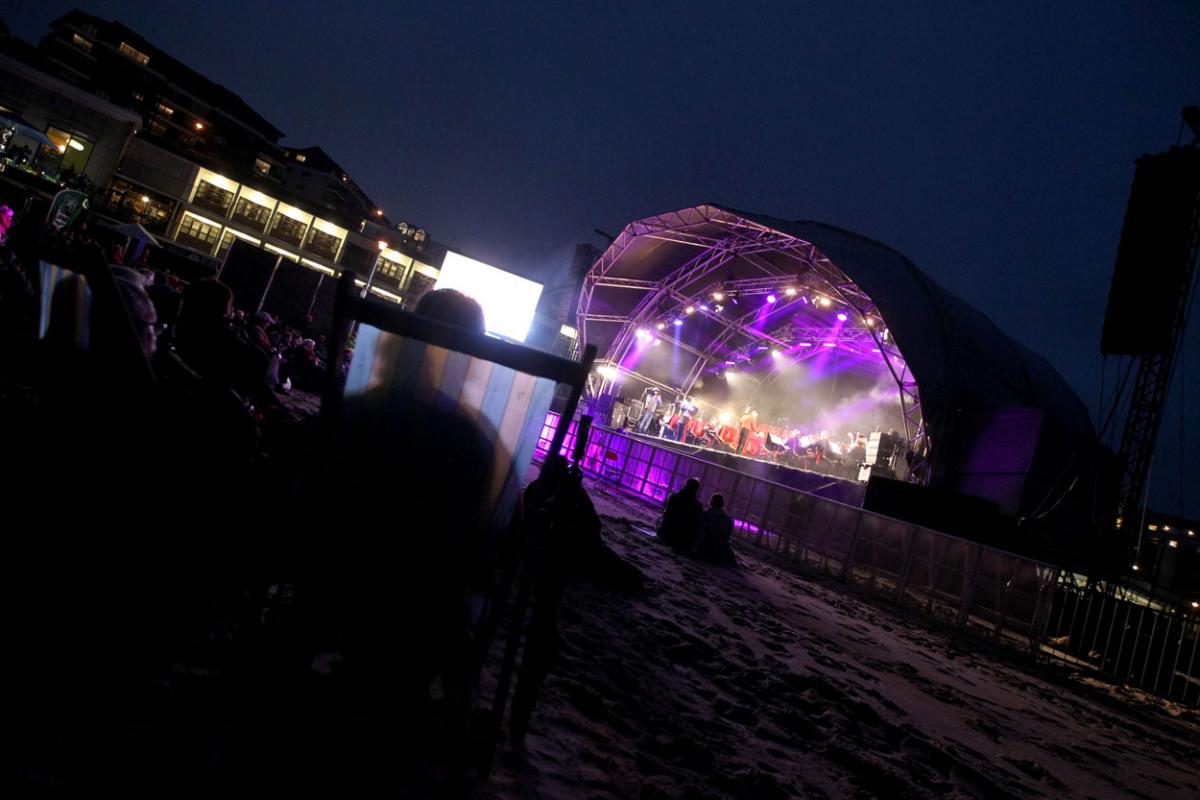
756,682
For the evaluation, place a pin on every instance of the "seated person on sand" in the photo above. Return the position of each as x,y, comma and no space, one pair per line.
716,531
681,520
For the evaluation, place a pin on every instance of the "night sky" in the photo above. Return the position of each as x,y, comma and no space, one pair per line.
994,147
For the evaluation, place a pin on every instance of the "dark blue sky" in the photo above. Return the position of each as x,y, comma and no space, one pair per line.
993,147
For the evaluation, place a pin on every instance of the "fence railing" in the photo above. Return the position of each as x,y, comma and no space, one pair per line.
1012,600
1146,648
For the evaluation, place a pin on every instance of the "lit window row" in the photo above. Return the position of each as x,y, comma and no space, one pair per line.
267,215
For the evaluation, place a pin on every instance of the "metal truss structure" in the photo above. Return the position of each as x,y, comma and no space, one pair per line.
1148,400
720,238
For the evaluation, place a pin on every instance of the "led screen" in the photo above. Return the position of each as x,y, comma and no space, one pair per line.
508,300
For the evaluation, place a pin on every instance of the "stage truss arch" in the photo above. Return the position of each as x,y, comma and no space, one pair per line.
738,258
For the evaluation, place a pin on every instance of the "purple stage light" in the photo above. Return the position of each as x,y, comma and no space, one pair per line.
771,298
678,322
830,344
841,317
704,308
806,344
804,300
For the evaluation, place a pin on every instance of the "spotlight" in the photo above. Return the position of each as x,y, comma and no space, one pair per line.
661,325
726,418
806,344
790,292
730,375
657,341
607,371
870,322
704,308
1195,604
825,301
678,322
718,308
145,198
642,333
1136,567
841,317
776,354
689,310
771,298
718,296
829,344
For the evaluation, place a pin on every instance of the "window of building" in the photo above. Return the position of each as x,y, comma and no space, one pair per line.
73,150
261,166
129,202
323,244
197,232
419,283
301,157
134,54
139,96
165,109
325,239
251,213
80,42
157,128
214,198
289,230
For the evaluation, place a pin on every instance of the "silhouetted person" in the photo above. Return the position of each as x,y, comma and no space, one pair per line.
716,531
681,519
453,307
210,344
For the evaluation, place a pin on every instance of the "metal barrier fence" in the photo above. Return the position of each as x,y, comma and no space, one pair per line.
955,581
1142,647
1013,600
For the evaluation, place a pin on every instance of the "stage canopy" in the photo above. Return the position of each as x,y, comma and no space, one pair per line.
699,300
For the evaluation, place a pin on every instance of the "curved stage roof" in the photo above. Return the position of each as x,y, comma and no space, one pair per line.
949,361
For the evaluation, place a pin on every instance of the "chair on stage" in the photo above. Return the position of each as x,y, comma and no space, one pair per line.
426,438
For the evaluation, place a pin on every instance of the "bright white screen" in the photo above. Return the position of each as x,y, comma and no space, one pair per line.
508,300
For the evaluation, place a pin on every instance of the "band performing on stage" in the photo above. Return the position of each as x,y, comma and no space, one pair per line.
780,442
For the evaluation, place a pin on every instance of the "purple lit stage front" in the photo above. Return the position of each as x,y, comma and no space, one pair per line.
651,470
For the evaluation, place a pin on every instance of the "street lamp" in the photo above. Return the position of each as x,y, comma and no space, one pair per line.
371,275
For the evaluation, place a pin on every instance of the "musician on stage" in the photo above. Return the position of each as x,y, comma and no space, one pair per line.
649,407
694,432
749,425
687,409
